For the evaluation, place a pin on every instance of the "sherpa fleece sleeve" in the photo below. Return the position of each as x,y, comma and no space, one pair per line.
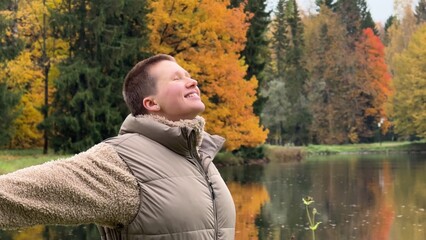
95,186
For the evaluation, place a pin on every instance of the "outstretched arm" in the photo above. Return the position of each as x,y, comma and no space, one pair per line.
95,186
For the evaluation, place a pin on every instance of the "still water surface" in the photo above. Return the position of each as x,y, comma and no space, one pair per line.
380,197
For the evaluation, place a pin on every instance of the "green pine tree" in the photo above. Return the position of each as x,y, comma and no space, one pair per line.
420,12
8,112
355,16
295,76
256,52
10,47
389,22
366,19
286,113
105,38
327,3
273,114
10,44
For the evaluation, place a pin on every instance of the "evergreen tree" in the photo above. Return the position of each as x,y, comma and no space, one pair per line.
389,22
273,114
105,39
327,3
8,112
350,15
10,48
355,16
421,12
295,76
11,45
366,19
289,78
256,52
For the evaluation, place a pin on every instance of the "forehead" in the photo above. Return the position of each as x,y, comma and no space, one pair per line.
165,68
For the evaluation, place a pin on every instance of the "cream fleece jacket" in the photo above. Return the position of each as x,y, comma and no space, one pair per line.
95,186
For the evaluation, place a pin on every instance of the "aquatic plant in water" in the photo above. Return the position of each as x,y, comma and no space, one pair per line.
312,224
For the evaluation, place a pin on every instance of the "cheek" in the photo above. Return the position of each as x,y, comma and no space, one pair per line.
172,94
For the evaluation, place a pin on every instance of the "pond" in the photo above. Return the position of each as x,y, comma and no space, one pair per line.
357,197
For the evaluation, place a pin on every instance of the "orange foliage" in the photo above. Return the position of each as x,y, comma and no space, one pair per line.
374,77
385,208
206,38
248,199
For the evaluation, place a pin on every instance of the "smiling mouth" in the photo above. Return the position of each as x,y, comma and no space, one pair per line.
191,95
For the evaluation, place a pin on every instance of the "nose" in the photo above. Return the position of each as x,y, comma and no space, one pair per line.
191,83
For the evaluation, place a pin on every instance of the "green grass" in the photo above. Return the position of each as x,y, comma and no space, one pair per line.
367,147
12,160
281,154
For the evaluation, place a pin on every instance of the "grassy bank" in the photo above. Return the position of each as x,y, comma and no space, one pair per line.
273,153
419,146
12,160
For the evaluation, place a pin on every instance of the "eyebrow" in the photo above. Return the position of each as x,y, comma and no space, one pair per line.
185,73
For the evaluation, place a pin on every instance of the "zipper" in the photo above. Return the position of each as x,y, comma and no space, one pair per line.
197,163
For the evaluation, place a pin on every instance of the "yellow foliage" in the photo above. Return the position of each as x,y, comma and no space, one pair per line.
25,72
22,74
409,108
34,233
206,38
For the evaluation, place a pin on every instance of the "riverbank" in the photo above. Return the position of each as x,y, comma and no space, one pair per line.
12,160
274,153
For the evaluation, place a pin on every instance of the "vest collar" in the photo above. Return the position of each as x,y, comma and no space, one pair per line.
174,135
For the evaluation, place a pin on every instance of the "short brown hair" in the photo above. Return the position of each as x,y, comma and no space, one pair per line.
139,84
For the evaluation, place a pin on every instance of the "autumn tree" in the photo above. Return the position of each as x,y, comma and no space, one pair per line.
408,104
399,35
371,90
20,74
105,39
328,85
25,77
206,38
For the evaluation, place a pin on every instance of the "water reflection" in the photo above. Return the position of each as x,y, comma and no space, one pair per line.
358,197
248,199
83,232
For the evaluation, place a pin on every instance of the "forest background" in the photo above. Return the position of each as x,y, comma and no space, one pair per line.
281,76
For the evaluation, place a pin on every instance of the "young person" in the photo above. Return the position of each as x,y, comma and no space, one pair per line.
155,180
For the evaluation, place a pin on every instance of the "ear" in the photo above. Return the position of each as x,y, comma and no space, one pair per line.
150,104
